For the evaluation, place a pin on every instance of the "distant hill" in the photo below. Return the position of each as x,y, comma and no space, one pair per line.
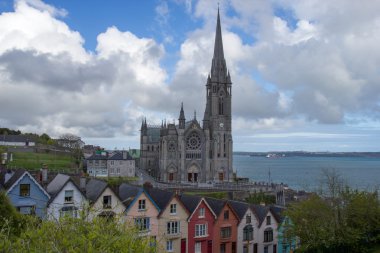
311,154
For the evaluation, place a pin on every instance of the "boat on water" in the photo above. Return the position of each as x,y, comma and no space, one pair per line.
274,155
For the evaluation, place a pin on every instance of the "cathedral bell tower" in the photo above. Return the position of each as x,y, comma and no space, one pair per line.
217,116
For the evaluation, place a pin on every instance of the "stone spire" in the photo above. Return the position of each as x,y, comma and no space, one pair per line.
181,118
218,67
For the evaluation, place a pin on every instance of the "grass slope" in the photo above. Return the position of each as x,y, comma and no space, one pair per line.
35,160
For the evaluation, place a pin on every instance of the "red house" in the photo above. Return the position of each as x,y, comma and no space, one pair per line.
225,226
200,224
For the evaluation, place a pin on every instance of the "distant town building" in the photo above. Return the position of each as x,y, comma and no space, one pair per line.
16,140
191,151
116,164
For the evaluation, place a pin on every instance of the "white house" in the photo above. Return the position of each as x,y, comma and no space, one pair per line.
121,164
67,199
267,231
16,140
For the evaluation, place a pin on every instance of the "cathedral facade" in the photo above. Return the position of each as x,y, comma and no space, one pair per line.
190,151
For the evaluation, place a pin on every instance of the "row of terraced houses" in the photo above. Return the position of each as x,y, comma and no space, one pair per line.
177,222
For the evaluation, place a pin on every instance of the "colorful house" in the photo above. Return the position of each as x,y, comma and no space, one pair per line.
142,211
173,226
225,226
67,199
247,228
104,202
25,193
200,224
267,231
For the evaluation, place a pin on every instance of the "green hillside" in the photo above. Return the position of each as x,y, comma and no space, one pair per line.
35,160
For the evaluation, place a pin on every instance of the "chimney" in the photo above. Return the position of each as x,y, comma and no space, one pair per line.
125,155
44,171
8,175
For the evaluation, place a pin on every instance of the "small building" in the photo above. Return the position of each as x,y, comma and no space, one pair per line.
16,141
267,231
25,193
97,165
121,164
67,198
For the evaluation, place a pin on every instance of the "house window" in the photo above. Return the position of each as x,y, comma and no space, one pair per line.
200,230
24,189
268,220
107,201
222,248
172,227
169,245
226,214
111,162
118,170
69,196
266,249
198,247
68,211
248,219
142,223
27,209
112,170
248,233
225,232
245,249
173,208
233,247
142,204
201,212
268,235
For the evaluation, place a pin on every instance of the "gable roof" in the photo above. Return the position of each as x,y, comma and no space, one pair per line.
260,211
216,205
127,193
58,188
56,184
174,196
18,176
208,206
142,191
160,197
240,208
190,202
97,157
94,188
277,212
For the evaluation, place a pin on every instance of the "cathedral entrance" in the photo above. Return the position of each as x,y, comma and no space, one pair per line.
192,174
221,176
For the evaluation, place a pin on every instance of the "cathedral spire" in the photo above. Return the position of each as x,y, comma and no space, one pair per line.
218,68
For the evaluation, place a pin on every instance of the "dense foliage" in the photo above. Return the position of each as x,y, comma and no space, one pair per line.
69,235
260,197
339,219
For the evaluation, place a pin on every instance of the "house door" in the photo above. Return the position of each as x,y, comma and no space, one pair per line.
209,247
171,177
255,248
183,246
275,248
190,177
195,177
221,176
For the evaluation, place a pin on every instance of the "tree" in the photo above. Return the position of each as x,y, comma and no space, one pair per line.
72,142
339,219
76,235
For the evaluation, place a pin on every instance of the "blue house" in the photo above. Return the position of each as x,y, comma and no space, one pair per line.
25,193
285,245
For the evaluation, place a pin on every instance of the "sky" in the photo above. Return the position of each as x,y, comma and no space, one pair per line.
305,73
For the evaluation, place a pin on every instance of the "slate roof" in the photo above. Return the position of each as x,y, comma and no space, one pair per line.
94,188
216,205
15,138
97,157
128,192
277,213
190,202
119,156
57,183
17,174
159,196
240,208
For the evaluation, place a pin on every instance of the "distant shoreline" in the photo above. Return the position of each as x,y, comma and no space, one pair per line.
281,154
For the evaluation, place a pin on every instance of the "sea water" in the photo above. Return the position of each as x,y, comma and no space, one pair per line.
305,173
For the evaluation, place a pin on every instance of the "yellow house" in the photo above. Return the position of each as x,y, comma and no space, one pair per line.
104,202
173,226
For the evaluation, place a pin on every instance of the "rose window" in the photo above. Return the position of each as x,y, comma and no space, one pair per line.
193,141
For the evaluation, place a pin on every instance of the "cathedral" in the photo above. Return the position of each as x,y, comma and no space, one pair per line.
190,151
